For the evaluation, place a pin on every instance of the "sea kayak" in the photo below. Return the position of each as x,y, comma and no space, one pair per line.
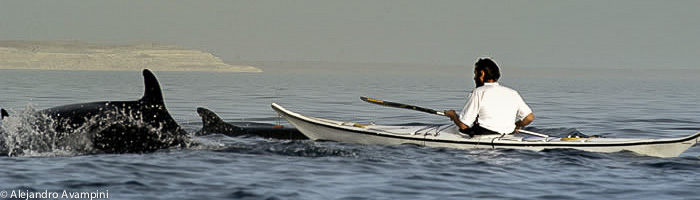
447,135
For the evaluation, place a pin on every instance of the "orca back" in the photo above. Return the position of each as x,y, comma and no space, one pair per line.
142,125
212,123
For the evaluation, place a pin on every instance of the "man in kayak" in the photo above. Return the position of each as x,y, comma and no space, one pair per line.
491,108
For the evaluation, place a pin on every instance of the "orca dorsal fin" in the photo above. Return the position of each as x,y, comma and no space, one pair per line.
152,93
3,113
212,123
209,118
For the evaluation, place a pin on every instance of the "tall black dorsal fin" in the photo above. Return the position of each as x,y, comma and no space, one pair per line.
152,93
3,113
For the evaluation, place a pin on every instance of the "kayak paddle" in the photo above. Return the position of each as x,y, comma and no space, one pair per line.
400,105
427,110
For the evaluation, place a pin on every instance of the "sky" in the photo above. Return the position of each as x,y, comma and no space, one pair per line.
591,34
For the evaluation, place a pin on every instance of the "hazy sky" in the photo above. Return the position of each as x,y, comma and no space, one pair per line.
567,34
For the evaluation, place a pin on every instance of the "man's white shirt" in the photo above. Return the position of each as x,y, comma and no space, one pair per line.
496,107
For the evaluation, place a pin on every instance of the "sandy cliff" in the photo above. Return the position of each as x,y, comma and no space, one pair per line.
84,56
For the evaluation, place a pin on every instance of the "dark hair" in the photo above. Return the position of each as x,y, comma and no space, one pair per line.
489,67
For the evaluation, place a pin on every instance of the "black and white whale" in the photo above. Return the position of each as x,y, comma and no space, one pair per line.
3,113
212,123
139,126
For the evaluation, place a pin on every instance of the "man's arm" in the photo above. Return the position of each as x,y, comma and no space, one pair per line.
455,118
522,123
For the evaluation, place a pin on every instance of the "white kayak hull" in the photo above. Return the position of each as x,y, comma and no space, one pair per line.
447,136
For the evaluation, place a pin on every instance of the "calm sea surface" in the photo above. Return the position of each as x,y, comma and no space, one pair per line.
224,167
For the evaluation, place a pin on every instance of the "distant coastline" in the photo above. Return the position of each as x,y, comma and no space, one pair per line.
75,55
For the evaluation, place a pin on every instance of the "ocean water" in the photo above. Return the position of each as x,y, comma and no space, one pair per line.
626,105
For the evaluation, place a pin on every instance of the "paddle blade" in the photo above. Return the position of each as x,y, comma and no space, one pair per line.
371,100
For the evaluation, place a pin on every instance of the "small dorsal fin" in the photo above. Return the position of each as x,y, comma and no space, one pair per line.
209,118
3,113
212,123
152,92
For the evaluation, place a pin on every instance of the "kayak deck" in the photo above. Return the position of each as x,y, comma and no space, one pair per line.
447,135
